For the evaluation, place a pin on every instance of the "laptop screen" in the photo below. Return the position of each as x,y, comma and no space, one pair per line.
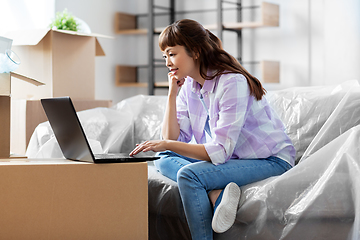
67,128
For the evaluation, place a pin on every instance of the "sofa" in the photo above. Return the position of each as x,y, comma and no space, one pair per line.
319,198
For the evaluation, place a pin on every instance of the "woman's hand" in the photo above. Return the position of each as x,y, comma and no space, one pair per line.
174,83
153,145
170,127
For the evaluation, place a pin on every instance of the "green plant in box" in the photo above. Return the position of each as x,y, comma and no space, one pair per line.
65,21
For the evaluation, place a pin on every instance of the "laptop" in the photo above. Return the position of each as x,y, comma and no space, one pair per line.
71,137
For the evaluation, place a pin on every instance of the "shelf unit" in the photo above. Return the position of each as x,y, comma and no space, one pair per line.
126,24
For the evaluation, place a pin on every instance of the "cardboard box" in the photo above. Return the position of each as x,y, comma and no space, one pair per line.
63,60
5,109
61,199
4,126
26,115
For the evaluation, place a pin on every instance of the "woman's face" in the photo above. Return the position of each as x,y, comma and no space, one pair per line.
180,63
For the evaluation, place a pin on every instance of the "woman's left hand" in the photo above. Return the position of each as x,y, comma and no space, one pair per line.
153,145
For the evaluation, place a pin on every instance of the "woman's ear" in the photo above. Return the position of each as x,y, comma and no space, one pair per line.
196,55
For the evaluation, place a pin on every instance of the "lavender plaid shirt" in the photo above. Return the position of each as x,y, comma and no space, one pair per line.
241,127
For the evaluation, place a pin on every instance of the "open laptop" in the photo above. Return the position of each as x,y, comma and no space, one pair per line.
71,137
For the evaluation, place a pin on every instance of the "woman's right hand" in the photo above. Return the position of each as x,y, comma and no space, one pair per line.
171,129
174,83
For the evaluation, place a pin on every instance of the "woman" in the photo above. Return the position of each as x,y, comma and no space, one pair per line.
239,139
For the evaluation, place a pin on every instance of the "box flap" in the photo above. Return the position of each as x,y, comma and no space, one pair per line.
34,36
26,79
98,49
82,34
27,37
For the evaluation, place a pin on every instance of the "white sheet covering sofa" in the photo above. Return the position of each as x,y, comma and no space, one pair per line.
317,199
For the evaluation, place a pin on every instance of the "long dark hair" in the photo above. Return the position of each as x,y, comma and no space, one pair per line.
201,42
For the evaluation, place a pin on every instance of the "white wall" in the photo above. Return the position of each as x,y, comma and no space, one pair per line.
339,46
25,14
317,42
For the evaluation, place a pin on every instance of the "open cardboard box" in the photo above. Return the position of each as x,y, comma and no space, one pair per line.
63,60
5,108
62,199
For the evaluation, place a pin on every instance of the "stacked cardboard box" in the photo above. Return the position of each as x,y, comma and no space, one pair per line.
57,198
65,62
5,109
61,199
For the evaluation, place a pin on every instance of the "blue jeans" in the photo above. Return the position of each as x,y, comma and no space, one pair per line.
197,178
